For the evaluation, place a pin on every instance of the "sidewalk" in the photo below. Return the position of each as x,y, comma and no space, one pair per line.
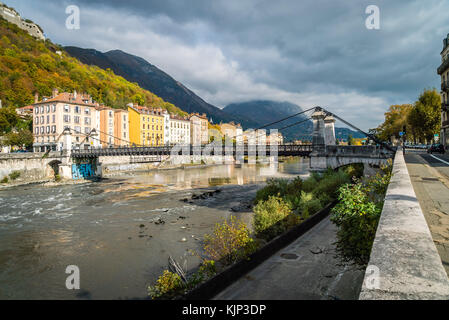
306,269
430,180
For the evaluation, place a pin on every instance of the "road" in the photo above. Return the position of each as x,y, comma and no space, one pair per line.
430,179
307,269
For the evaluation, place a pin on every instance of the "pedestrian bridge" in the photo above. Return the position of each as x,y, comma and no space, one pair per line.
323,151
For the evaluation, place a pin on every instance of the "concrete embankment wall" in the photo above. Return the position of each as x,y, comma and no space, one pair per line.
404,262
32,167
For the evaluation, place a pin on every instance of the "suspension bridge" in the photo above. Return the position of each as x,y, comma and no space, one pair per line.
323,150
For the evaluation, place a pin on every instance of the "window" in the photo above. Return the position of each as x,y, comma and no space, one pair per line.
42,130
77,109
66,108
36,120
77,129
42,109
86,120
53,119
86,111
36,130
48,129
36,110
66,118
86,129
53,108
76,119
48,119
42,119
53,129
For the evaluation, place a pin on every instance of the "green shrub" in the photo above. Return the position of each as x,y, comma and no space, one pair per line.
330,183
57,178
354,170
273,217
311,207
310,183
167,285
274,187
206,270
4,180
357,218
14,175
229,242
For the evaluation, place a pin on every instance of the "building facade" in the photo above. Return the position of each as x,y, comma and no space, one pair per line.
443,71
121,128
53,114
179,130
146,126
199,129
107,125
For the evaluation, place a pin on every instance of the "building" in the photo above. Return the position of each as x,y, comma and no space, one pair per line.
24,112
146,125
121,128
228,130
106,132
443,71
199,129
179,130
275,138
64,110
13,16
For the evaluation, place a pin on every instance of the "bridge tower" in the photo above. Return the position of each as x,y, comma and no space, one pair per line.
329,131
323,135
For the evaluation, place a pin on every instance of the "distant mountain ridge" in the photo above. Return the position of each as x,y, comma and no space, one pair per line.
267,111
148,76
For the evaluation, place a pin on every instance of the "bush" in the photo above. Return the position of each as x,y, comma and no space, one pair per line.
274,187
273,217
354,170
310,183
4,180
167,285
357,218
14,175
330,183
229,242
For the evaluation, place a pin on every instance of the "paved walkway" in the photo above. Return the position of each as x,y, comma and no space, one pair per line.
306,269
430,179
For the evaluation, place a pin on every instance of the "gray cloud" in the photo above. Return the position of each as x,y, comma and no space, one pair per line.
307,52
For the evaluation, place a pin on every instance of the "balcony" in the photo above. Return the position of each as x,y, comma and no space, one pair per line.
443,67
445,86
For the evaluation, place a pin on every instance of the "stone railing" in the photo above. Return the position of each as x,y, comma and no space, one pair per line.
404,262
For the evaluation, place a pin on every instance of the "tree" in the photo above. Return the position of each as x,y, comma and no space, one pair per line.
21,138
425,116
350,140
395,119
8,119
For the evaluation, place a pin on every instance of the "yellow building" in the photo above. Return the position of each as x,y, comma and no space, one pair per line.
146,126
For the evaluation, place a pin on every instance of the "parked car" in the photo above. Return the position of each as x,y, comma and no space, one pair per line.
437,148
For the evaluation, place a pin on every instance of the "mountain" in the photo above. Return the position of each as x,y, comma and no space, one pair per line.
148,76
29,65
266,111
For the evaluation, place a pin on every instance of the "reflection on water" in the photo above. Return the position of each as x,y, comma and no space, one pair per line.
98,227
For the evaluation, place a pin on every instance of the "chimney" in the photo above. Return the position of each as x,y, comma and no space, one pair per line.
74,95
36,97
54,93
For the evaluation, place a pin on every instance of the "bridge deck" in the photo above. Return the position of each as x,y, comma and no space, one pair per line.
280,150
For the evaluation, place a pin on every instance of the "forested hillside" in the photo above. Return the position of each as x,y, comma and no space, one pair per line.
28,65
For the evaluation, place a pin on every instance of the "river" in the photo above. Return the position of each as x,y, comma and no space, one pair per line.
120,231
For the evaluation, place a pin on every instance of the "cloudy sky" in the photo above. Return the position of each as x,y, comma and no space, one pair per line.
309,52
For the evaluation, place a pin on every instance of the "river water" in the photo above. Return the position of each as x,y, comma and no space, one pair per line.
120,231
